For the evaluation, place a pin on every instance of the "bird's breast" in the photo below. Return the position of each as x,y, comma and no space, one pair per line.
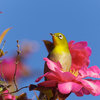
63,57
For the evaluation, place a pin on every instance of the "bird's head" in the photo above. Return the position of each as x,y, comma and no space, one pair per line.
59,39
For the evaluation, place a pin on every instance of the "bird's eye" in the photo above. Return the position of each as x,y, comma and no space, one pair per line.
60,36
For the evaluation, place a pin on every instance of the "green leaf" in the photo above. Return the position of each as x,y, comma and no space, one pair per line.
46,90
4,33
2,82
23,96
1,89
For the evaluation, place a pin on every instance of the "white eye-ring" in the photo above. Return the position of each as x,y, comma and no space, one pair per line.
60,36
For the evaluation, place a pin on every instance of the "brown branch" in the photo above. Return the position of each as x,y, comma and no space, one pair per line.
2,75
15,90
1,64
2,72
17,61
14,78
36,95
3,45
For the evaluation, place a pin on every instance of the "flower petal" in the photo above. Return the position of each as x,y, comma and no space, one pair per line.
93,86
52,65
8,96
51,83
38,79
65,76
52,76
79,93
68,87
80,54
70,43
78,45
82,92
93,71
88,49
55,67
85,91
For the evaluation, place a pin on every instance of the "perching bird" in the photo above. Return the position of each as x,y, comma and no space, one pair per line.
59,51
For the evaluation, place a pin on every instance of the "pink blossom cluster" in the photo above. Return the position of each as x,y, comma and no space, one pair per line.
74,81
7,96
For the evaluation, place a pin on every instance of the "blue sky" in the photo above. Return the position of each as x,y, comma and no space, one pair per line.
78,20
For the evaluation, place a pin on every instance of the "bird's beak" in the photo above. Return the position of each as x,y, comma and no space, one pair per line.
52,34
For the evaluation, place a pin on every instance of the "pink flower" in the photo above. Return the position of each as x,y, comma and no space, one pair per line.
8,69
79,51
73,81
7,96
80,54
1,12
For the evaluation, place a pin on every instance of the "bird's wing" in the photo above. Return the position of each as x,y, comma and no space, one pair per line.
48,44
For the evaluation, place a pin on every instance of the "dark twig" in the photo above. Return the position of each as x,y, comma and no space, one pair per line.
15,90
1,50
14,78
3,45
2,75
36,95
2,72
1,62
17,61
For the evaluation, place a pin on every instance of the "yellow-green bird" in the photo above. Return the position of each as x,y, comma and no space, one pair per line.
58,51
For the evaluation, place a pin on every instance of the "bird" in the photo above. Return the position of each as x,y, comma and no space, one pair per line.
58,51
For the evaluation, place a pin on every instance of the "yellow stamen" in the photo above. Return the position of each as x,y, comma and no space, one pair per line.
64,70
75,73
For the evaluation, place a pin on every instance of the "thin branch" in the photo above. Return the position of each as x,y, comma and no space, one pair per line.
17,61
36,95
15,91
1,64
3,45
2,72
14,79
